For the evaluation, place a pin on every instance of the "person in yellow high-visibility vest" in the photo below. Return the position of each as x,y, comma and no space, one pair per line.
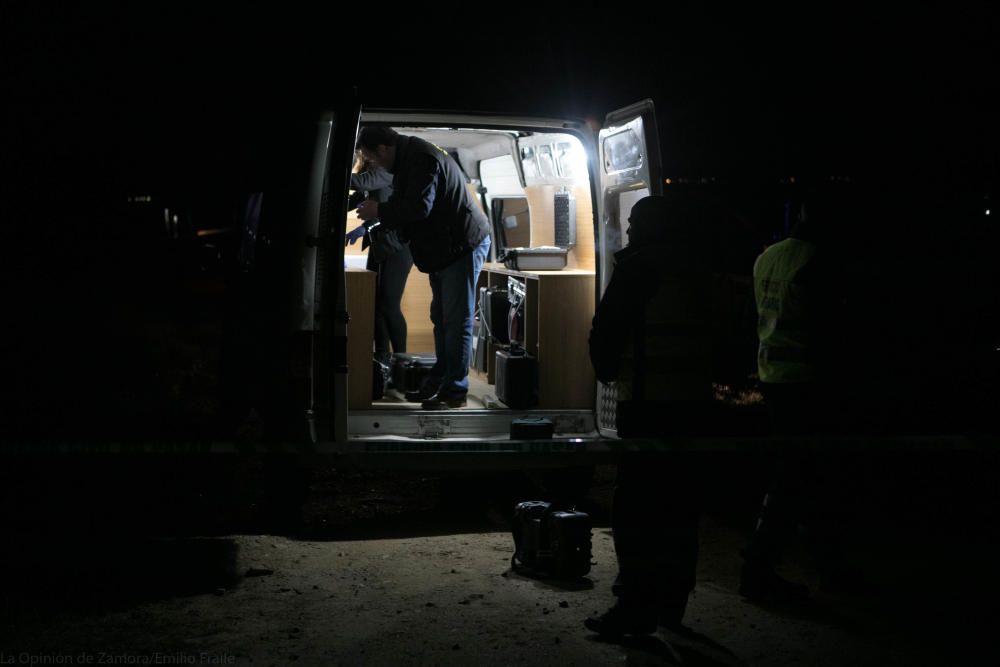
797,292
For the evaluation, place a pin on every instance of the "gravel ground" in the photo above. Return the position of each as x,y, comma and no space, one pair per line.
405,569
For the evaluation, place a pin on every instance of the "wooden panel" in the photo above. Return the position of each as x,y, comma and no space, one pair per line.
541,209
541,204
565,311
360,285
582,256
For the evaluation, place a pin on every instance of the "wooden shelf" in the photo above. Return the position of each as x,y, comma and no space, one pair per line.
360,336
558,310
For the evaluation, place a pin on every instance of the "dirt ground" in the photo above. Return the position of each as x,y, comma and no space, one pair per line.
396,570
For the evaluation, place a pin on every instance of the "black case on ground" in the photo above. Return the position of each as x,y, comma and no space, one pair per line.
517,380
410,368
553,542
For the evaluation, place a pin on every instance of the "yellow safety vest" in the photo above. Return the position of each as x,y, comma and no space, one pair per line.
782,317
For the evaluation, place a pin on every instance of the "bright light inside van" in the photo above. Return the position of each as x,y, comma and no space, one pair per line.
573,161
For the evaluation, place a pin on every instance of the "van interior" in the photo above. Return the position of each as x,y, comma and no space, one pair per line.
530,356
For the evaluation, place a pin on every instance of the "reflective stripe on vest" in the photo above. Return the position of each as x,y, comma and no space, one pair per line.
783,354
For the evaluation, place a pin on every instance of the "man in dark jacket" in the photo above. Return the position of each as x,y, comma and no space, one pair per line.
449,239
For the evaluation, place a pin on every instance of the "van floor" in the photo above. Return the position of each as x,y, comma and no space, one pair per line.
482,396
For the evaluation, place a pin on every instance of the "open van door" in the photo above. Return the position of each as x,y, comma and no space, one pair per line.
321,310
629,169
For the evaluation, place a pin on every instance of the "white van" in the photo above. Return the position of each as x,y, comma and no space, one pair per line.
543,182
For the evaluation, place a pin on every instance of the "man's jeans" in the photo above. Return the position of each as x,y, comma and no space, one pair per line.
453,304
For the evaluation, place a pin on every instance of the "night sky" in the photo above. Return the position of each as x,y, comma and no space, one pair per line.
752,94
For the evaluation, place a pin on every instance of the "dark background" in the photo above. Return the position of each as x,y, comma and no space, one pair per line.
111,331
740,94
107,322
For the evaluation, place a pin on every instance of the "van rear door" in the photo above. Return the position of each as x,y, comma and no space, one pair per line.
629,169
321,310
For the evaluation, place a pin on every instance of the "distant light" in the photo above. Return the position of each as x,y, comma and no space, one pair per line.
987,211
669,181
791,179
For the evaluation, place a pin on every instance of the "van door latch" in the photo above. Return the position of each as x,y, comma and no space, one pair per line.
433,427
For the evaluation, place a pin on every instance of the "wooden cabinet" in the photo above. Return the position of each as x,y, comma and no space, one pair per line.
360,336
558,310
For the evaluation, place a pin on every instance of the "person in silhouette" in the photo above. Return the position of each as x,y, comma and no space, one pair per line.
660,333
389,257
799,294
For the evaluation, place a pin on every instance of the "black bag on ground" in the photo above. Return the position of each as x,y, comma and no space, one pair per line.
380,379
410,368
549,542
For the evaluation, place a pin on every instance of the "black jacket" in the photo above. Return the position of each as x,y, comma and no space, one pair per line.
431,206
668,328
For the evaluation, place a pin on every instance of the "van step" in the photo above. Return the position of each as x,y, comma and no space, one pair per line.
487,424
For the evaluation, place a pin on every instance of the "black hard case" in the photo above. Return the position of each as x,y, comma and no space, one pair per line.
569,532
550,541
531,428
410,368
517,380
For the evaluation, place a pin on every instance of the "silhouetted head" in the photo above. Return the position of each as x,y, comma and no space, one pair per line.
686,216
378,146
699,224
825,214
647,220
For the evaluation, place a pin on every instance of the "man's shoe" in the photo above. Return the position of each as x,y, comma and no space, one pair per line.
443,402
421,394
616,622
760,583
